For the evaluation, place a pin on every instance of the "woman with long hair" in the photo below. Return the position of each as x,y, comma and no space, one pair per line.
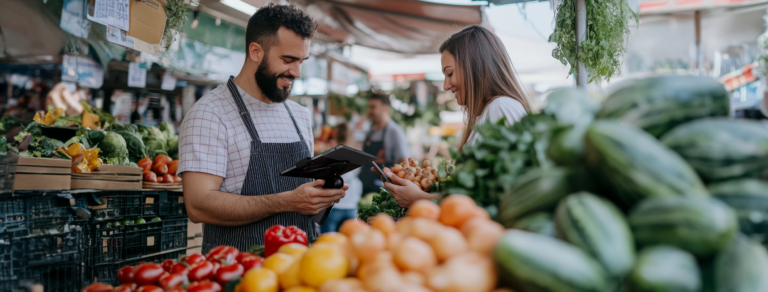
479,72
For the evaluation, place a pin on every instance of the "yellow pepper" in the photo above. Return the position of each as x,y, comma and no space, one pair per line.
82,167
92,155
278,262
290,277
38,119
258,280
75,150
323,262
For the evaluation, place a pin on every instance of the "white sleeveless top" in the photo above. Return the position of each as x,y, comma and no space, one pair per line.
501,107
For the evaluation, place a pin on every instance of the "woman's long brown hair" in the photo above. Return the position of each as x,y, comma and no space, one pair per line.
486,71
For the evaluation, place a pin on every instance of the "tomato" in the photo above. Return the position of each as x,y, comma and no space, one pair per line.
201,271
178,289
177,178
148,274
149,288
226,254
167,264
125,274
167,178
162,159
173,167
241,255
98,287
172,281
150,176
194,259
124,288
160,179
204,286
180,268
160,169
227,273
252,261
145,163
216,267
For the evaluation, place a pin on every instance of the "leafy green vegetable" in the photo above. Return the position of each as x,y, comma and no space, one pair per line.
9,122
136,148
607,28
105,118
173,147
383,203
167,129
66,121
113,145
3,146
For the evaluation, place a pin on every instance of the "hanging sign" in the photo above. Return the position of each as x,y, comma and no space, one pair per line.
169,82
83,70
118,36
73,20
98,11
120,17
137,76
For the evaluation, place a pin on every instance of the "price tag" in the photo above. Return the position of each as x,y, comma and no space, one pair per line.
98,11
169,82
118,36
120,17
73,20
69,68
137,76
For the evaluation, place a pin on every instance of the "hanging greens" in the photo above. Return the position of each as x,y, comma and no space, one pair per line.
607,27
176,15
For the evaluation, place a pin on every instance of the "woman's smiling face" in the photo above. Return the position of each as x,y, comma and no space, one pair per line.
452,81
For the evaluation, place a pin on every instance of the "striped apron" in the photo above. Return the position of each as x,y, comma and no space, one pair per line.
263,178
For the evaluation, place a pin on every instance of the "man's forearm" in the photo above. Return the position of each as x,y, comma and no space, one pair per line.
227,209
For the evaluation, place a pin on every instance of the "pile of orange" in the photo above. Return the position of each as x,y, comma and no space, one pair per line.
445,248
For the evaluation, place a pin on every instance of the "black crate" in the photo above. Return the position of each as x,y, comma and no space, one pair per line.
57,278
174,240
53,248
156,258
10,286
47,211
174,225
150,204
12,264
13,215
174,206
104,244
107,214
103,273
141,243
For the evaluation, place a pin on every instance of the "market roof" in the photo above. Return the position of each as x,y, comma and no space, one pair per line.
406,26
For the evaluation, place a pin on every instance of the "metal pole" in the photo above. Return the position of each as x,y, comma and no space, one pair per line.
699,59
581,35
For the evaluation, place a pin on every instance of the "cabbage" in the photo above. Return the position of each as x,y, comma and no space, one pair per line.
136,148
168,129
113,145
173,147
156,146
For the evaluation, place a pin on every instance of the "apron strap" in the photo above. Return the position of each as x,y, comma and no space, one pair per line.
295,125
242,110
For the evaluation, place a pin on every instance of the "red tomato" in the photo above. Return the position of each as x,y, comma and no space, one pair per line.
167,178
201,271
150,176
216,267
241,255
125,274
148,274
124,288
180,268
224,254
167,264
172,281
162,159
194,259
173,167
177,178
145,163
227,273
179,289
149,288
160,169
252,261
205,286
98,287
211,255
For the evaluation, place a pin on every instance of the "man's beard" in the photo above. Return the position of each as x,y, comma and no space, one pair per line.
268,84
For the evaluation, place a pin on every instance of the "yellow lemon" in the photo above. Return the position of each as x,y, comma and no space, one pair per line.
301,289
323,262
290,277
258,280
278,262
293,249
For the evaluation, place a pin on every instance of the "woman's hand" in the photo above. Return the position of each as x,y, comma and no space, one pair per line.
404,191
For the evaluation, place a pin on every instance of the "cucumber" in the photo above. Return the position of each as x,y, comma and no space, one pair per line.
701,226
635,166
540,223
596,226
722,149
664,269
741,267
658,104
533,262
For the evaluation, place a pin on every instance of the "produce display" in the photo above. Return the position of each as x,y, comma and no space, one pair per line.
160,170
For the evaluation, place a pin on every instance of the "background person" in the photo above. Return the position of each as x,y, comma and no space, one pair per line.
346,208
385,140
479,72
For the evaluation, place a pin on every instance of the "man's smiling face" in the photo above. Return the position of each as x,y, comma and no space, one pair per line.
282,65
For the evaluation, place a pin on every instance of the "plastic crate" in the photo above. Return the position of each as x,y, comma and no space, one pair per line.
103,273
104,244
174,225
47,211
53,248
156,258
150,204
141,243
174,206
10,286
13,215
12,264
57,278
174,240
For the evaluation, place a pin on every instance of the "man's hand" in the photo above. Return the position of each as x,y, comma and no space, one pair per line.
311,198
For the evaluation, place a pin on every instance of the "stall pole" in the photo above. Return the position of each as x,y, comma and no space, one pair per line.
581,35
699,59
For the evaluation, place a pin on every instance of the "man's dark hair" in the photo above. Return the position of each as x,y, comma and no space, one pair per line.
263,25
380,97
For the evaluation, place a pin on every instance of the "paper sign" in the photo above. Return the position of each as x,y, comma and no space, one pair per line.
73,20
120,17
137,77
69,68
118,36
169,82
98,11
89,73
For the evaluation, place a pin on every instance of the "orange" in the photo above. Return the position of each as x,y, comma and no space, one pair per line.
457,209
278,262
333,238
424,229
424,209
414,254
352,226
290,277
342,285
482,235
384,223
321,263
293,249
366,245
448,242
258,280
301,289
404,225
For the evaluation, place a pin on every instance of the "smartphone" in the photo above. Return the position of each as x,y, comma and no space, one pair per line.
381,174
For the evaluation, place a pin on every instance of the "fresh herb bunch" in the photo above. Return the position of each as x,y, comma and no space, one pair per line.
485,170
176,15
607,27
384,202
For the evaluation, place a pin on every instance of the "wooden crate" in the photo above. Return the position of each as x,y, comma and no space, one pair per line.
162,186
42,174
109,177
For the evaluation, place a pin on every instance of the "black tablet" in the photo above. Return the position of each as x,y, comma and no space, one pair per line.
355,158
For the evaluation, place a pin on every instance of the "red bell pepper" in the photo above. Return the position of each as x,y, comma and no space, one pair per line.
278,235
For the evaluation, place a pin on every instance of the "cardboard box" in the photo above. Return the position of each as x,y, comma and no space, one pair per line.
194,229
147,20
195,242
